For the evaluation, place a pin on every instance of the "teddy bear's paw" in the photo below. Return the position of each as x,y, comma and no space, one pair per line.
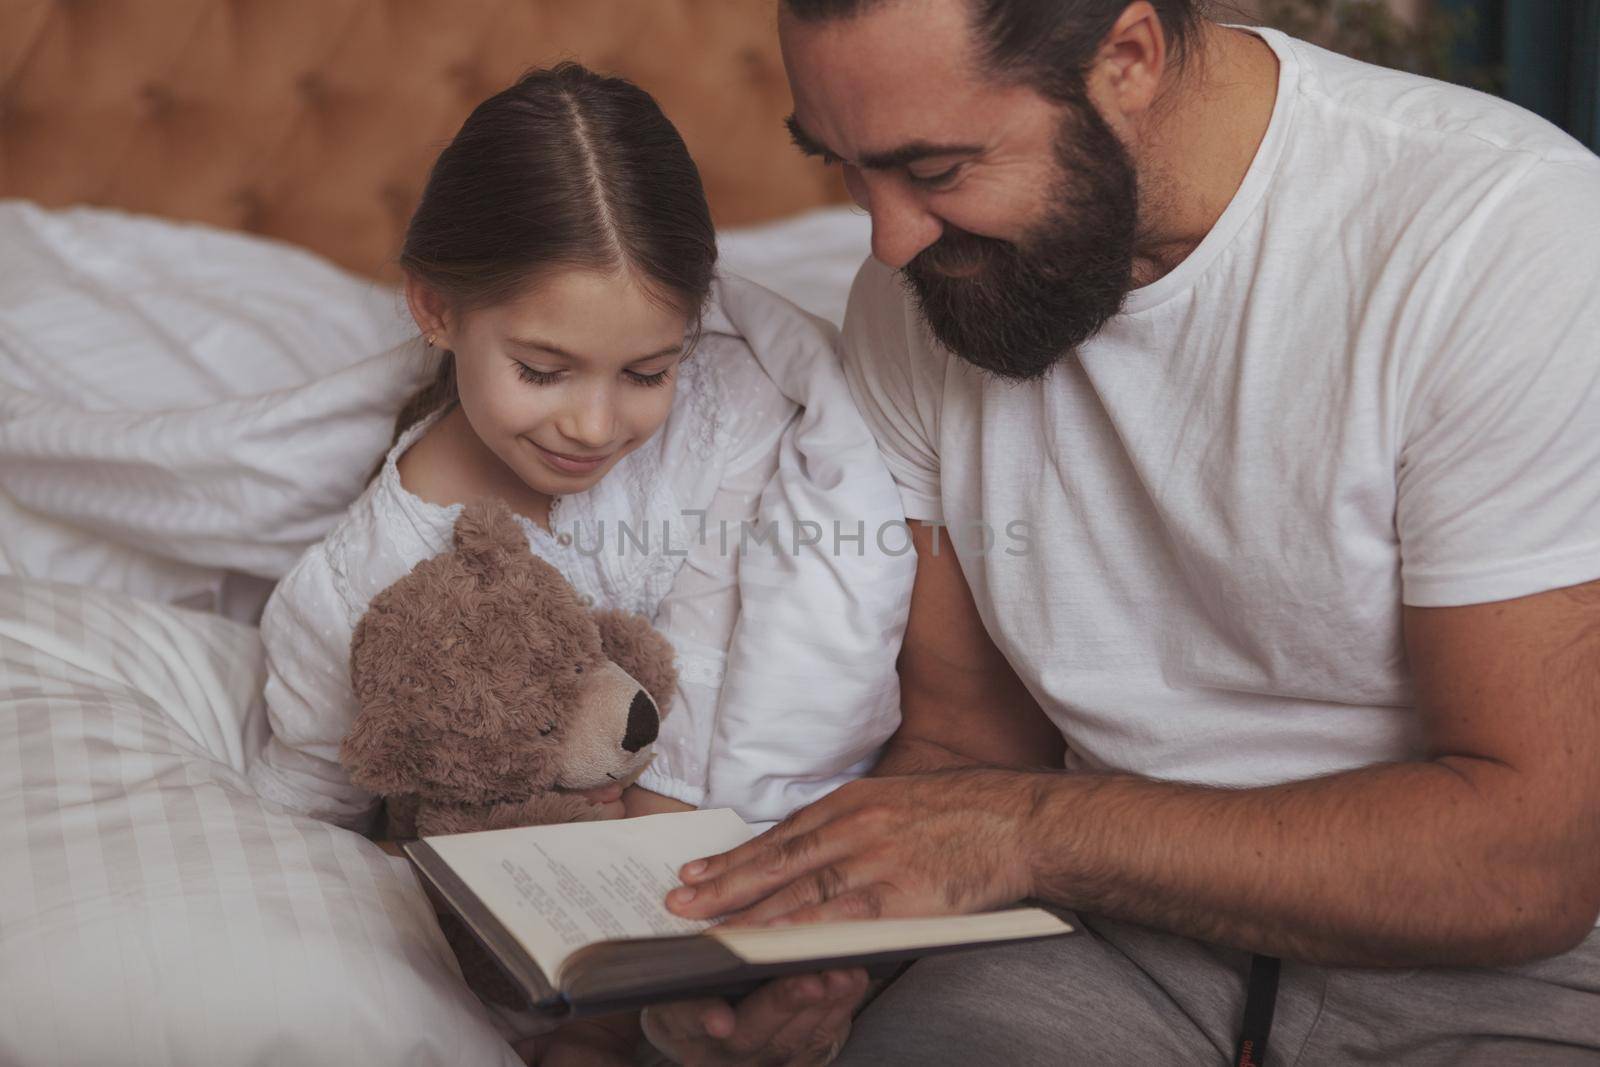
469,818
541,810
434,819
548,808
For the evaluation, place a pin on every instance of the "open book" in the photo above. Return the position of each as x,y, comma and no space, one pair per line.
575,915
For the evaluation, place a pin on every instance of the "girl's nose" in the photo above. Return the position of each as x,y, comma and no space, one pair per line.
591,421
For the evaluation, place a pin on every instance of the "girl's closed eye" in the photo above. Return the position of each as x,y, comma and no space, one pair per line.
650,381
534,376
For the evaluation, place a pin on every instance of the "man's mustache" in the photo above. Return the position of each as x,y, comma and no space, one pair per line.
959,256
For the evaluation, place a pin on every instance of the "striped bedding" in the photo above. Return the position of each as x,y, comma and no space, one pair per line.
152,909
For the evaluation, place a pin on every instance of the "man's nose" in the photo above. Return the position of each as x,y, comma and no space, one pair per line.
901,226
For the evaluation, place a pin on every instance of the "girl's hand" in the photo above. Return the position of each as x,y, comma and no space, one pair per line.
607,798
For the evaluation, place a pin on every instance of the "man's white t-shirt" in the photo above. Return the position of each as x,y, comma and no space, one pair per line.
1375,382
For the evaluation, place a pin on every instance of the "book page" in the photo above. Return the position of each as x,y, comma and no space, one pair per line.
559,888
784,944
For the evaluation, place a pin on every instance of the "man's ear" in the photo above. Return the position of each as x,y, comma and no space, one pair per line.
430,311
1125,79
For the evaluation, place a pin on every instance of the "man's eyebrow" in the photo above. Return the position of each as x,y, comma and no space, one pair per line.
908,154
903,156
808,144
533,344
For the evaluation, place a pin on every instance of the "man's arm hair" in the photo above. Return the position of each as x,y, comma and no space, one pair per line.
1479,845
1484,850
961,702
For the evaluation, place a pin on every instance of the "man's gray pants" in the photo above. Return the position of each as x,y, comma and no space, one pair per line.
1122,994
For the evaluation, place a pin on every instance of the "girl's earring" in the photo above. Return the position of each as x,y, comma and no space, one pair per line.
430,340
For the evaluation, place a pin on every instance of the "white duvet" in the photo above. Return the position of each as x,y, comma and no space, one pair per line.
157,426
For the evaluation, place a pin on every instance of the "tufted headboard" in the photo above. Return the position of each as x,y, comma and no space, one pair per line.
315,121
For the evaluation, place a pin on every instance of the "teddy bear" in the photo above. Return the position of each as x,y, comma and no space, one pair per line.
490,696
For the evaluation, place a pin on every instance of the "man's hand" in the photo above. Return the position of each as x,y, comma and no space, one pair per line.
932,844
800,1021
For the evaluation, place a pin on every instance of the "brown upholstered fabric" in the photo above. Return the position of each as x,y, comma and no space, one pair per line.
315,120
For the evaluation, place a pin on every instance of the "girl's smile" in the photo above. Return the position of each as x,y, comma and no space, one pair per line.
571,464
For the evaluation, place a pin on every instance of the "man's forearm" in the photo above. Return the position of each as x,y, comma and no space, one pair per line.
1399,864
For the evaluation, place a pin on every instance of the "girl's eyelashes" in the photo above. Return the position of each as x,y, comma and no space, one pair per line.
536,377
545,377
660,377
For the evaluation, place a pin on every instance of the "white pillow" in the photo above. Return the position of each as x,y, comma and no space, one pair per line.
179,402
153,910
107,311
811,259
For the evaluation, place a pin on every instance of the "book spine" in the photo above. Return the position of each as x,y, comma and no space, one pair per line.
488,930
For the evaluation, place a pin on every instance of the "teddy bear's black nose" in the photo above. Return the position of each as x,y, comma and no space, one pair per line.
643,723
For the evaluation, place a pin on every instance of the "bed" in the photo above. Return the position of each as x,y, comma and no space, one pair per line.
177,361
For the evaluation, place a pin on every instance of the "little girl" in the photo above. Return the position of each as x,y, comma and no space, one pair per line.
560,268
559,263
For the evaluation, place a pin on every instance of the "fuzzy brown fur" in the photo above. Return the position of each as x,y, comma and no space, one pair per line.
477,675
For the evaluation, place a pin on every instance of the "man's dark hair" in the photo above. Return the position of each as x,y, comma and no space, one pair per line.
1047,44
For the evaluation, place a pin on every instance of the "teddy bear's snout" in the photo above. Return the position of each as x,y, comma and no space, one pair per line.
613,723
643,722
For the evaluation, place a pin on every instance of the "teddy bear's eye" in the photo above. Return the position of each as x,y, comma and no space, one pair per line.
545,729
578,669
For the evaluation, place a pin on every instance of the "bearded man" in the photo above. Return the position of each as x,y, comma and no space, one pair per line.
1291,367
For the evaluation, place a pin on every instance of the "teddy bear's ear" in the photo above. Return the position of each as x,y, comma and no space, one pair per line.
634,645
489,539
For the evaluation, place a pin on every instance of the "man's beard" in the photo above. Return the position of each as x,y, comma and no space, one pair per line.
1018,309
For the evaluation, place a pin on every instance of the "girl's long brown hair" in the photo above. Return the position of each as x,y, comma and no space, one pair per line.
565,169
